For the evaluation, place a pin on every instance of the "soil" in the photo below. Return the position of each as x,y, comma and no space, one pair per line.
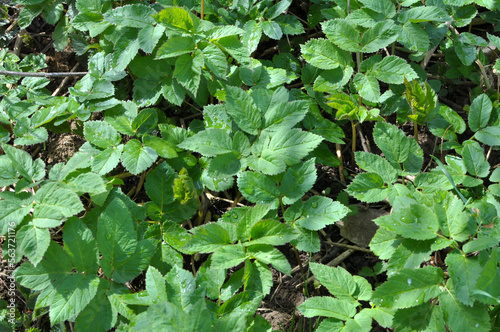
280,306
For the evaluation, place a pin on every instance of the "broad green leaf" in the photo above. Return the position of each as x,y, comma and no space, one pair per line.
393,70
176,18
489,281
382,315
126,50
423,14
159,184
337,280
116,236
384,7
272,30
23,163
298,179
466,53
453,220
416,222
409,255
323,54
271,232
285,115
181,288
475,162
145,121
87,182
175,46
33,242
163,147
409,288
460,317
244,218
489,136
131,268
137,158
134,16
384,243
375,164
332,80
327,307
368,187
224,166
211,280
208,238
155,285
72,296
188,70
80,245
367,87
307,241
277,9
209,142
241,144
13,209
425,317
321,211
53,204
268,254
149,36
98,315
464,271
385,134
252,34
258,187
221,31
228,256
480,112
379,36
257,278
233,46
241,107
215,60
107,160
361,322
343,34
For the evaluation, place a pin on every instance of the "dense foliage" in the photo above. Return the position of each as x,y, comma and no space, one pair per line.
260,126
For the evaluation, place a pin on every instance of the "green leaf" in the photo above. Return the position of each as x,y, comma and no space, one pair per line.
464,271
385,134
23,163
137,158
228,256
368,187
338,281
425,317
379,36
375,164
116,236
258,187
98,315
267,254
80,245
277,9
453,220
343,34
272,30
271,232
321,211
145,121
181,288
159,184
163,147
33,242
298,179
257,278
209,142
241,107
384,7
53,204
285,115
367,86
149,36
474,159
224,166
208,238
423,14
176,18
327,307
87,182
409,255
466,53
489,136
155,285
307,241
393,70
106,160
416,222
13,209
73,294
460,317
409,288
188,70
215,60
480,112
245,218
489,281
134,16
175,46
323,54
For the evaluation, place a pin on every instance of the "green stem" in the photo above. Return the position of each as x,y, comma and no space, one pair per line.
353,125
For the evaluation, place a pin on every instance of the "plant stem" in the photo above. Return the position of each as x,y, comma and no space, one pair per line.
353,125
202,14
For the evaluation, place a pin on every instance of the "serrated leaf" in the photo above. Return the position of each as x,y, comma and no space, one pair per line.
176,18
480,112
208,238
258,187
88,183
298,179
489,136
267,254
149,36
163,147
425,317
175,46
116,236
33,242
188,70
224,166
159,184
409,255
285,115
53,204
145,121
416,222
464,271
465,52
327,307
409,288
424,14
137,158
319,212
257,278
101,134
215,60
271,232
272,30
107,160
460,317
384,243
80,245
134,16
368,187
323,54
307,241
209,142
241,107
155,285
393,70
414,37
292,144
228,256
474,159
385,135
337,280
343,34
376,164
384,7
367,86
379,36
98,315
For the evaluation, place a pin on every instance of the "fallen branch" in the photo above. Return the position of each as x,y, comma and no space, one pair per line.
47,75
